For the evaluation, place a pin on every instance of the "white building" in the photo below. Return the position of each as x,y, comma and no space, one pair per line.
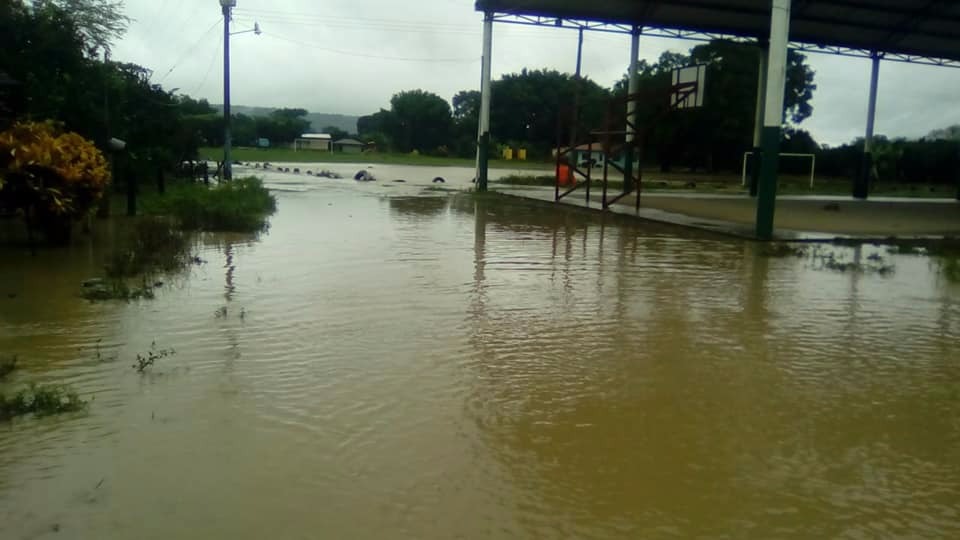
321,142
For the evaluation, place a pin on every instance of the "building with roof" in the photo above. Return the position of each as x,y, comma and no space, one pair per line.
349,146
321,142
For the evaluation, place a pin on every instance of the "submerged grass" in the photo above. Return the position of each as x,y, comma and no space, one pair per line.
242,205
41,400
154,246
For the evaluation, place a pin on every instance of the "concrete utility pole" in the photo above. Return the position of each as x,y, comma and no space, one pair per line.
227,6
758,119
483,141
861,186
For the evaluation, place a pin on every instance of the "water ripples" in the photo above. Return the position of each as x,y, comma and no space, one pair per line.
398,366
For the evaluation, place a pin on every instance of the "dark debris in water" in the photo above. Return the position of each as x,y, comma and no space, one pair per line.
781,249
149,358
7,366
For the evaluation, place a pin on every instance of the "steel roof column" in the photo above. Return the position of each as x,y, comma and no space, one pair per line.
483,141
773,117
632,89
861,185
758,117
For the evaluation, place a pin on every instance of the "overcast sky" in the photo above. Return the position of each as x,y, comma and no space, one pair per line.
351,56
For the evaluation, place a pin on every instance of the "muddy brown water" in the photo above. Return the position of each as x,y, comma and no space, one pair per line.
429,365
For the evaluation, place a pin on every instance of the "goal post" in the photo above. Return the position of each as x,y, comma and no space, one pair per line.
813,165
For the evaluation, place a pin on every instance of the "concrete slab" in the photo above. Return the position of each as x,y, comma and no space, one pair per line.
799,218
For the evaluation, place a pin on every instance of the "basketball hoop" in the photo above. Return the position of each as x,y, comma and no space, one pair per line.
688,87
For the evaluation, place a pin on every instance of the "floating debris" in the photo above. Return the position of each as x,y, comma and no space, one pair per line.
364,176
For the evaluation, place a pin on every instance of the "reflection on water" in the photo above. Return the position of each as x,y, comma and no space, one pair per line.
455,366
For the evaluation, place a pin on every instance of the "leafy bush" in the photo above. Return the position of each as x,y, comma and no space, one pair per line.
242,205
50,177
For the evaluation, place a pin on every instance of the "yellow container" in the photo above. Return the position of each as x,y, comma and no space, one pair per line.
508,153
522,154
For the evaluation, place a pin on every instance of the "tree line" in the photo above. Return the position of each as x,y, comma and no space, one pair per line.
533,109
53,65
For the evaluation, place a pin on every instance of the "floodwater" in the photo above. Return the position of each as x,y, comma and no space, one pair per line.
400,363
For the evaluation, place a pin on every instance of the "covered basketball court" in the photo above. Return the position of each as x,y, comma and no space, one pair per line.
915,31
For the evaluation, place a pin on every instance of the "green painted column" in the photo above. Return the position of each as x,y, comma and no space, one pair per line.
767,189
773,117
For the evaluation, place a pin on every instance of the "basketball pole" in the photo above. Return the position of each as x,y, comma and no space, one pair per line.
861,186
773,117
756,157
483,141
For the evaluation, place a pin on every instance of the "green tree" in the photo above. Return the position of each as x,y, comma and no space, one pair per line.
99,22
717,133
419,121
336,133
527,108
286,125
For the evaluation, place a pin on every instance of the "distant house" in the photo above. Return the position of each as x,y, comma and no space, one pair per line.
348,146
321,142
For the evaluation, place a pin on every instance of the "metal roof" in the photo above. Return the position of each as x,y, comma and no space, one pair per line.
922,28
350,142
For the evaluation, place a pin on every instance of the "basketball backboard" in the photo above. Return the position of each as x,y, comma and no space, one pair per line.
688,87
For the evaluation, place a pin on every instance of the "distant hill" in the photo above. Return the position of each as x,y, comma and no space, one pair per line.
318,121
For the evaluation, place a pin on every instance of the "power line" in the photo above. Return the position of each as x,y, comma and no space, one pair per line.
299,17
213,60
190,50
319,47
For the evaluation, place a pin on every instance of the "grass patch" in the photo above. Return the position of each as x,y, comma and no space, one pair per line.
41,400
243,205
526,180
7,366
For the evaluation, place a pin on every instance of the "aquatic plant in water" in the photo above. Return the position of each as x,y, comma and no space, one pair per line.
143,361
41,400
154,246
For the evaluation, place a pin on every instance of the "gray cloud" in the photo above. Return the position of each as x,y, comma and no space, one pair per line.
351,56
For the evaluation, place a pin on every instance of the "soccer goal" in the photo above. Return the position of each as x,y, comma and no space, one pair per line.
811,157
